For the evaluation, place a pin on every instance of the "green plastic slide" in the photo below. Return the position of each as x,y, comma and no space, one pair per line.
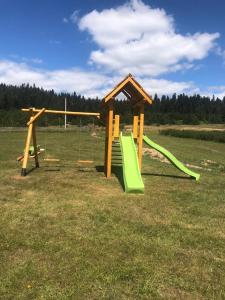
171,158
131,173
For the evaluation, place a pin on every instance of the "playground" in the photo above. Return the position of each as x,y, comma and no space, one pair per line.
110,212
68,232
121,152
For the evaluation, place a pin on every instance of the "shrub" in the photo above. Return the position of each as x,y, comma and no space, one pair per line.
216,136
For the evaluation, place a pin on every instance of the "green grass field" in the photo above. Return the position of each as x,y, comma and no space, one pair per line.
69,233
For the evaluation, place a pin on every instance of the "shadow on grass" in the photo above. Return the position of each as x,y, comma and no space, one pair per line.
46,169
31,170
79,168
52,170
99,169
167,175
117,171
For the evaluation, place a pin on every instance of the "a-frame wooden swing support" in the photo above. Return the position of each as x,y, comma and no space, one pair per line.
31,133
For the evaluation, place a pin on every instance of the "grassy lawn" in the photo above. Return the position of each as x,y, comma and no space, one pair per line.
66,232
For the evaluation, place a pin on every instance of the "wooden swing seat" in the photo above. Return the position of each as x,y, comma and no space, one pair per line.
51,159
85,161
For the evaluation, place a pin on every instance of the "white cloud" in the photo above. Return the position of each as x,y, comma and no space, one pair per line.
132,38
33,60
70,80
217,91
65,20
75,16
135,38
91,84
166,87
221,52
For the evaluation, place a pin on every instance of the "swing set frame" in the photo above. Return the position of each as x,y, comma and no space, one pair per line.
35,115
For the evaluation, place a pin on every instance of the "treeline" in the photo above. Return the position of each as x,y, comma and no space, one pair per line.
177,109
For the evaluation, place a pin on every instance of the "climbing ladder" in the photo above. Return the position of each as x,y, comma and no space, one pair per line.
116,154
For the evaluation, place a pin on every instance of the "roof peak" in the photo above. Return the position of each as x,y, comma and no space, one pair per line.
131,89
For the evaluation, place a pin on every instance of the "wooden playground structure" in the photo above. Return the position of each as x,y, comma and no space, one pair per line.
137,96
131,89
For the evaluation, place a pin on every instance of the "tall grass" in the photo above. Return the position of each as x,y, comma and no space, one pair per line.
216,136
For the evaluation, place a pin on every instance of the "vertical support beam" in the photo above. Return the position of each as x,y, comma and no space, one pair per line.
135,126
35,146
116,129
140,136
109,139
27,147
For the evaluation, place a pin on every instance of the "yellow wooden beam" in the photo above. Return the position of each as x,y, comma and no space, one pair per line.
135,126
116,90
123,85
140,136
61,112
36,116
141,91
110,139
116,131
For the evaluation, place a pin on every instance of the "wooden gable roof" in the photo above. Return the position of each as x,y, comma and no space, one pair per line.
131,89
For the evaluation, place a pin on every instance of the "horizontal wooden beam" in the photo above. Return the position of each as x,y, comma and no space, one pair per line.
61,112
34,118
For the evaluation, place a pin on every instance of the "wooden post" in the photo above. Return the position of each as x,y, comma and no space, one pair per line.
109,139
140,136
26,153
35,146
116,129
135,126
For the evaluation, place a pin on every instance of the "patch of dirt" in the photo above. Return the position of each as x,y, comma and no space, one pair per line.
158,156
155,155
207,162
194,166
94,134
175,293
19,177
212,163
203,128
197,167
217,127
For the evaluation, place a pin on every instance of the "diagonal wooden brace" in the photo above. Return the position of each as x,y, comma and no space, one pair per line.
34,118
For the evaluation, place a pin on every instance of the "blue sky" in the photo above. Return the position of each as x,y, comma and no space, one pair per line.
88,46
